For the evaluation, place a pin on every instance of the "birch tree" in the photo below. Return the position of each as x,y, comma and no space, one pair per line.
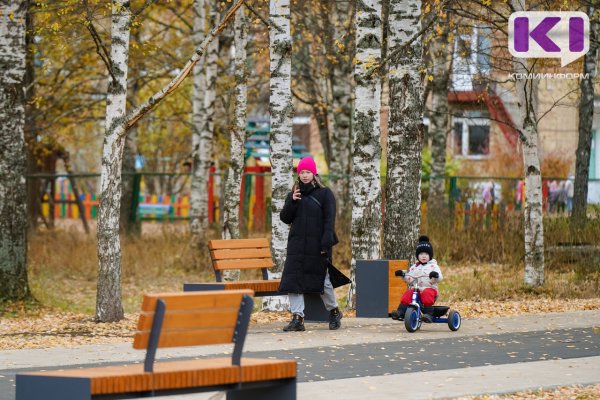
440,51
586,118
366,154
231,221
199,208
204,148
526,90
405,135
13,209
280,110
341,144
108,297
108,305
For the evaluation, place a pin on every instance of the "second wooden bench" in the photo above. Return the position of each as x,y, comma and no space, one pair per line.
251,254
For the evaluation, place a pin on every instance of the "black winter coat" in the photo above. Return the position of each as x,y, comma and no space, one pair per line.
312,231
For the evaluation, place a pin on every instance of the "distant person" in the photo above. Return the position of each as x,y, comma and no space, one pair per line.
570,190
552,196
561,198
488,194
519,195
310,209
428,273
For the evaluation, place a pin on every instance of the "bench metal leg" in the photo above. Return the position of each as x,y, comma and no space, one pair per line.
284,389
34,387
314,309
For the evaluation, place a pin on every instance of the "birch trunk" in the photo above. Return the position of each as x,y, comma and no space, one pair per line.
366,157
586,118
533,224
34,206
200,136
405,134
441,60
340,166
13,208
129,221
280,110
231,206
108,297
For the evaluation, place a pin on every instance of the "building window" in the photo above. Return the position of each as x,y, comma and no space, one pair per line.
472,62
471,137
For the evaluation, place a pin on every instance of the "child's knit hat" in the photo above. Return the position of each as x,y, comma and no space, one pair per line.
307,163
424,247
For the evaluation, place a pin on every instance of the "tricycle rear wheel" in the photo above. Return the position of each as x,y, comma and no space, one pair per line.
454,320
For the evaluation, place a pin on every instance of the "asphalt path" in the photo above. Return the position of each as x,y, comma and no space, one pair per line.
336,362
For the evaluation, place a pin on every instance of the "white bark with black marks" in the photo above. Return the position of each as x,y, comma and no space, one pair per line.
586,118
405,133
203,149
108,297
280,110
440,51
533,225
13,208
366,152
341,162
231,205
198,210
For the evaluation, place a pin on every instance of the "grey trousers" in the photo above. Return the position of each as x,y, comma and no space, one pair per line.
328,297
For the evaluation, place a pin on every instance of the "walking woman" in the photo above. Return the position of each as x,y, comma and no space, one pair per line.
310,209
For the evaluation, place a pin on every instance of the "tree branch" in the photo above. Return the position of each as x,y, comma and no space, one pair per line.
147,4
302,99
100,48
142,110
396,51
269,23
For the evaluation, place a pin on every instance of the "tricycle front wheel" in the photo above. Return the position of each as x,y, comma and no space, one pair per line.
412,322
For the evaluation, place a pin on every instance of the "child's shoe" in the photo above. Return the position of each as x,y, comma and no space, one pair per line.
427,315
398,314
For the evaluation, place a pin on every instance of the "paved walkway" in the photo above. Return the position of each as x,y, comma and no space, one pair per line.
379,359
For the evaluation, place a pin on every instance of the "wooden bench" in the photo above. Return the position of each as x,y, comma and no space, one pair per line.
172,320
243,254
252,254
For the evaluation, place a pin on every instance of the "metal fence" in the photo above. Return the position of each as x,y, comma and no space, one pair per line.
165,197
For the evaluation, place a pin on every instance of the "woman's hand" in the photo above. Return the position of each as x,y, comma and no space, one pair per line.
296,194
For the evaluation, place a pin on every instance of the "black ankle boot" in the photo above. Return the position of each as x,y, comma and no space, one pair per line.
335,317
295,325
427,315
398,314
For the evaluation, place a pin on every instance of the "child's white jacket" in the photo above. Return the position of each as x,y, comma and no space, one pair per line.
423,270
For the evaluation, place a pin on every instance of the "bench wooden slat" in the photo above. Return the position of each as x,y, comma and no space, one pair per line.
243,264
178,374
188,337
237,243
255,285
238,254
190,319
195,301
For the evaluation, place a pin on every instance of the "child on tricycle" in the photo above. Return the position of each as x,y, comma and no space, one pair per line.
418,300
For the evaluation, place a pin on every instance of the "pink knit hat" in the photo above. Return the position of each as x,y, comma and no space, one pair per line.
307,163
